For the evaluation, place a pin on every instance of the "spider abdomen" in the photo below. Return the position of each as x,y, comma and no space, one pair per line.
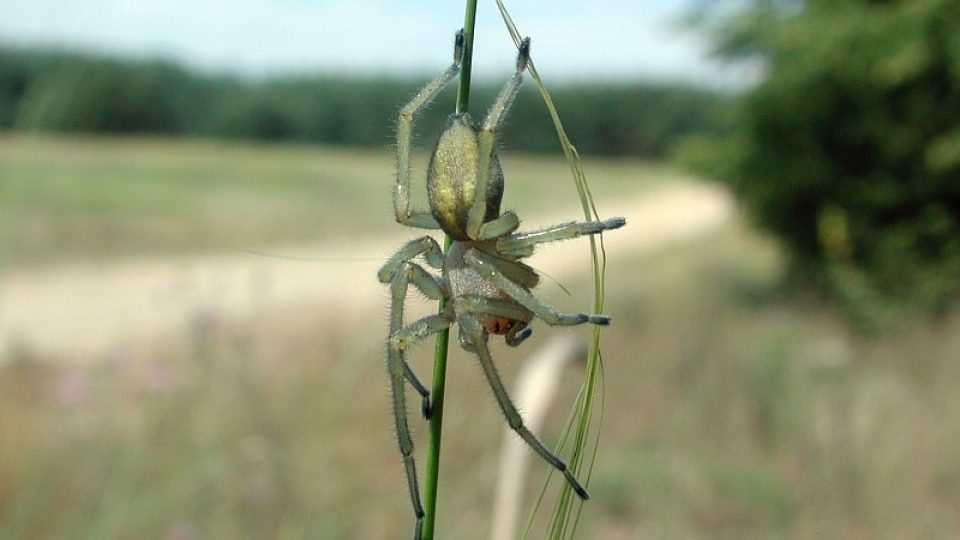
452,178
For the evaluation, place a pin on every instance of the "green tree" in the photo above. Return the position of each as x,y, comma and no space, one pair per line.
849,149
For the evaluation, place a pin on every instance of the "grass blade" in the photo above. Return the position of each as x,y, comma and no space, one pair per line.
581,418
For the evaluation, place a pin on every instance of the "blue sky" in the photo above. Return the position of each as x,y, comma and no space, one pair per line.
572,40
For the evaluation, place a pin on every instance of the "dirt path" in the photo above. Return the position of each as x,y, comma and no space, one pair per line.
81,313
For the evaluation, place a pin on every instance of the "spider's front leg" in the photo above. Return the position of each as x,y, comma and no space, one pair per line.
401,193
477,227
497,271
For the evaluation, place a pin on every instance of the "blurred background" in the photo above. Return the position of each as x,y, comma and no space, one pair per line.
195,197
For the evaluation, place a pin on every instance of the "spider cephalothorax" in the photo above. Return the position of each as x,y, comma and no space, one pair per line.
486,286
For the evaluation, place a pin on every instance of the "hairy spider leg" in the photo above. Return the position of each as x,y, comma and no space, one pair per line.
430,286
492,269
517,334
401,194
471,325
399,271
515,270
523,244
477,304
518,272
425,245
508,221
399,341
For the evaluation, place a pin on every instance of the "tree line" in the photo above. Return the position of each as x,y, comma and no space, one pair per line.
56,91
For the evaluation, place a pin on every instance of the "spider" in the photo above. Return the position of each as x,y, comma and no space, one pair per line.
486,287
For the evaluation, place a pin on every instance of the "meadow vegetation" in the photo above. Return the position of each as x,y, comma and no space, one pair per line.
68,198
739,401
733,407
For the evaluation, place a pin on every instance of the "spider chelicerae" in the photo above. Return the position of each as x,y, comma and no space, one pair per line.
486,286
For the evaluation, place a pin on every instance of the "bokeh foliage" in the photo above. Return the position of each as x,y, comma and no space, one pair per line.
849,150
60,91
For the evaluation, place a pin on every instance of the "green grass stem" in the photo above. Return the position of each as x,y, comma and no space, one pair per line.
432,476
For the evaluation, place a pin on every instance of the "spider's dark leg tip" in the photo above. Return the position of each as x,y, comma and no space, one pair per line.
601,320
524,55
575,484
520,337
425,408
614,223
458,44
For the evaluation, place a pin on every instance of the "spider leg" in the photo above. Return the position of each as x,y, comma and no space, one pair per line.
508,221
431,287
493,270
518,334
477,304
401,194
469,323
519,272
425,246
523,244
397,366
400,272
514,270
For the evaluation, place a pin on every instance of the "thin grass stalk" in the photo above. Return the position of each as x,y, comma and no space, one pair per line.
560,523
432,474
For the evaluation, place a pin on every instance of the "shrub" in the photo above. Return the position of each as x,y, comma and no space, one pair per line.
849,150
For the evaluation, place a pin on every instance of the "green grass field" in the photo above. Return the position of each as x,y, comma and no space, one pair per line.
732,409
64,199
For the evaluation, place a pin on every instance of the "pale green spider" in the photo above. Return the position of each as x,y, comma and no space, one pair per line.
485,284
